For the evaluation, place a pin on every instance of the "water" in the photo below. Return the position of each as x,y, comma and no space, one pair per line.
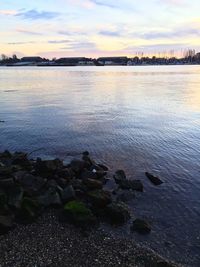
136,118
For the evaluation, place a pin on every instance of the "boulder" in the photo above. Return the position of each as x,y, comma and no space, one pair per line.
103,167
50,198
78,213
6,224
125,195
141,226
88,175
119,176
118,213
47,168
92,184
131,184
99,198
67,194
30,183
29,210
15,196
155,180
21,159
77,165
7,183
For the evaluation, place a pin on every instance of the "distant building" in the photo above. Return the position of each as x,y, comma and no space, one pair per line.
74,61
113,60
32,59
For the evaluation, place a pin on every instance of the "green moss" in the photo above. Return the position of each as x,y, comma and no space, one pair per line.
77,213
77,207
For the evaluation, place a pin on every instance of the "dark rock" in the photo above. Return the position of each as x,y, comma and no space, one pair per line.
68,194
88,175
117,213
48,167
65,173
155,180
131,184
141,226
77,213
6,171
119,176
100,198
93,184
6,224
50,198
85,153
29,210
77,165
125,196
3,202
30,183
78,185
15,197
103,167
7,183
21,159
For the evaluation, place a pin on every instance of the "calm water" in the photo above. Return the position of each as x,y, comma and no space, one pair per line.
135,118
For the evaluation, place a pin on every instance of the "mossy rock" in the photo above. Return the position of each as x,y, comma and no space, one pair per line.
118,213
78,213
99,198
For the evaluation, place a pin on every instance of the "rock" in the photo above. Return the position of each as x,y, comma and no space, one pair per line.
119,176
88,175
77,165
6,171
7,183
77,213
15,197
6,224
155,180
50,198
85,153
131,184
118,213
30,183
78,185
68,194
3,202
100,198
103,167
93,184
141,226
65,173
48,167
21,159
125,196
29,210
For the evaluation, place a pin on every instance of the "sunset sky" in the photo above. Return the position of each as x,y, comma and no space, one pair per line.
55,28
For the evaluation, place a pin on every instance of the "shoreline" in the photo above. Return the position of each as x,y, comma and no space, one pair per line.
48,242
76,191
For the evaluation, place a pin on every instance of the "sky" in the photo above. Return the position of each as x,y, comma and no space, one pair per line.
93,28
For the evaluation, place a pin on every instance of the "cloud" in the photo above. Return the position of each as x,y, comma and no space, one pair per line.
29,32
21,43
177,33
103,3
37,15
58,41
110,33
84,45
8,12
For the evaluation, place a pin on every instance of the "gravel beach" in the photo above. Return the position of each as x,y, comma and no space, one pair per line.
48,242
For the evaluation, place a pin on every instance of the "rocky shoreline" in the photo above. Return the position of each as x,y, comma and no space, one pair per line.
47,200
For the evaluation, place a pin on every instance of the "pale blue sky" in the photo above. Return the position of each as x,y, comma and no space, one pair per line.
98,27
